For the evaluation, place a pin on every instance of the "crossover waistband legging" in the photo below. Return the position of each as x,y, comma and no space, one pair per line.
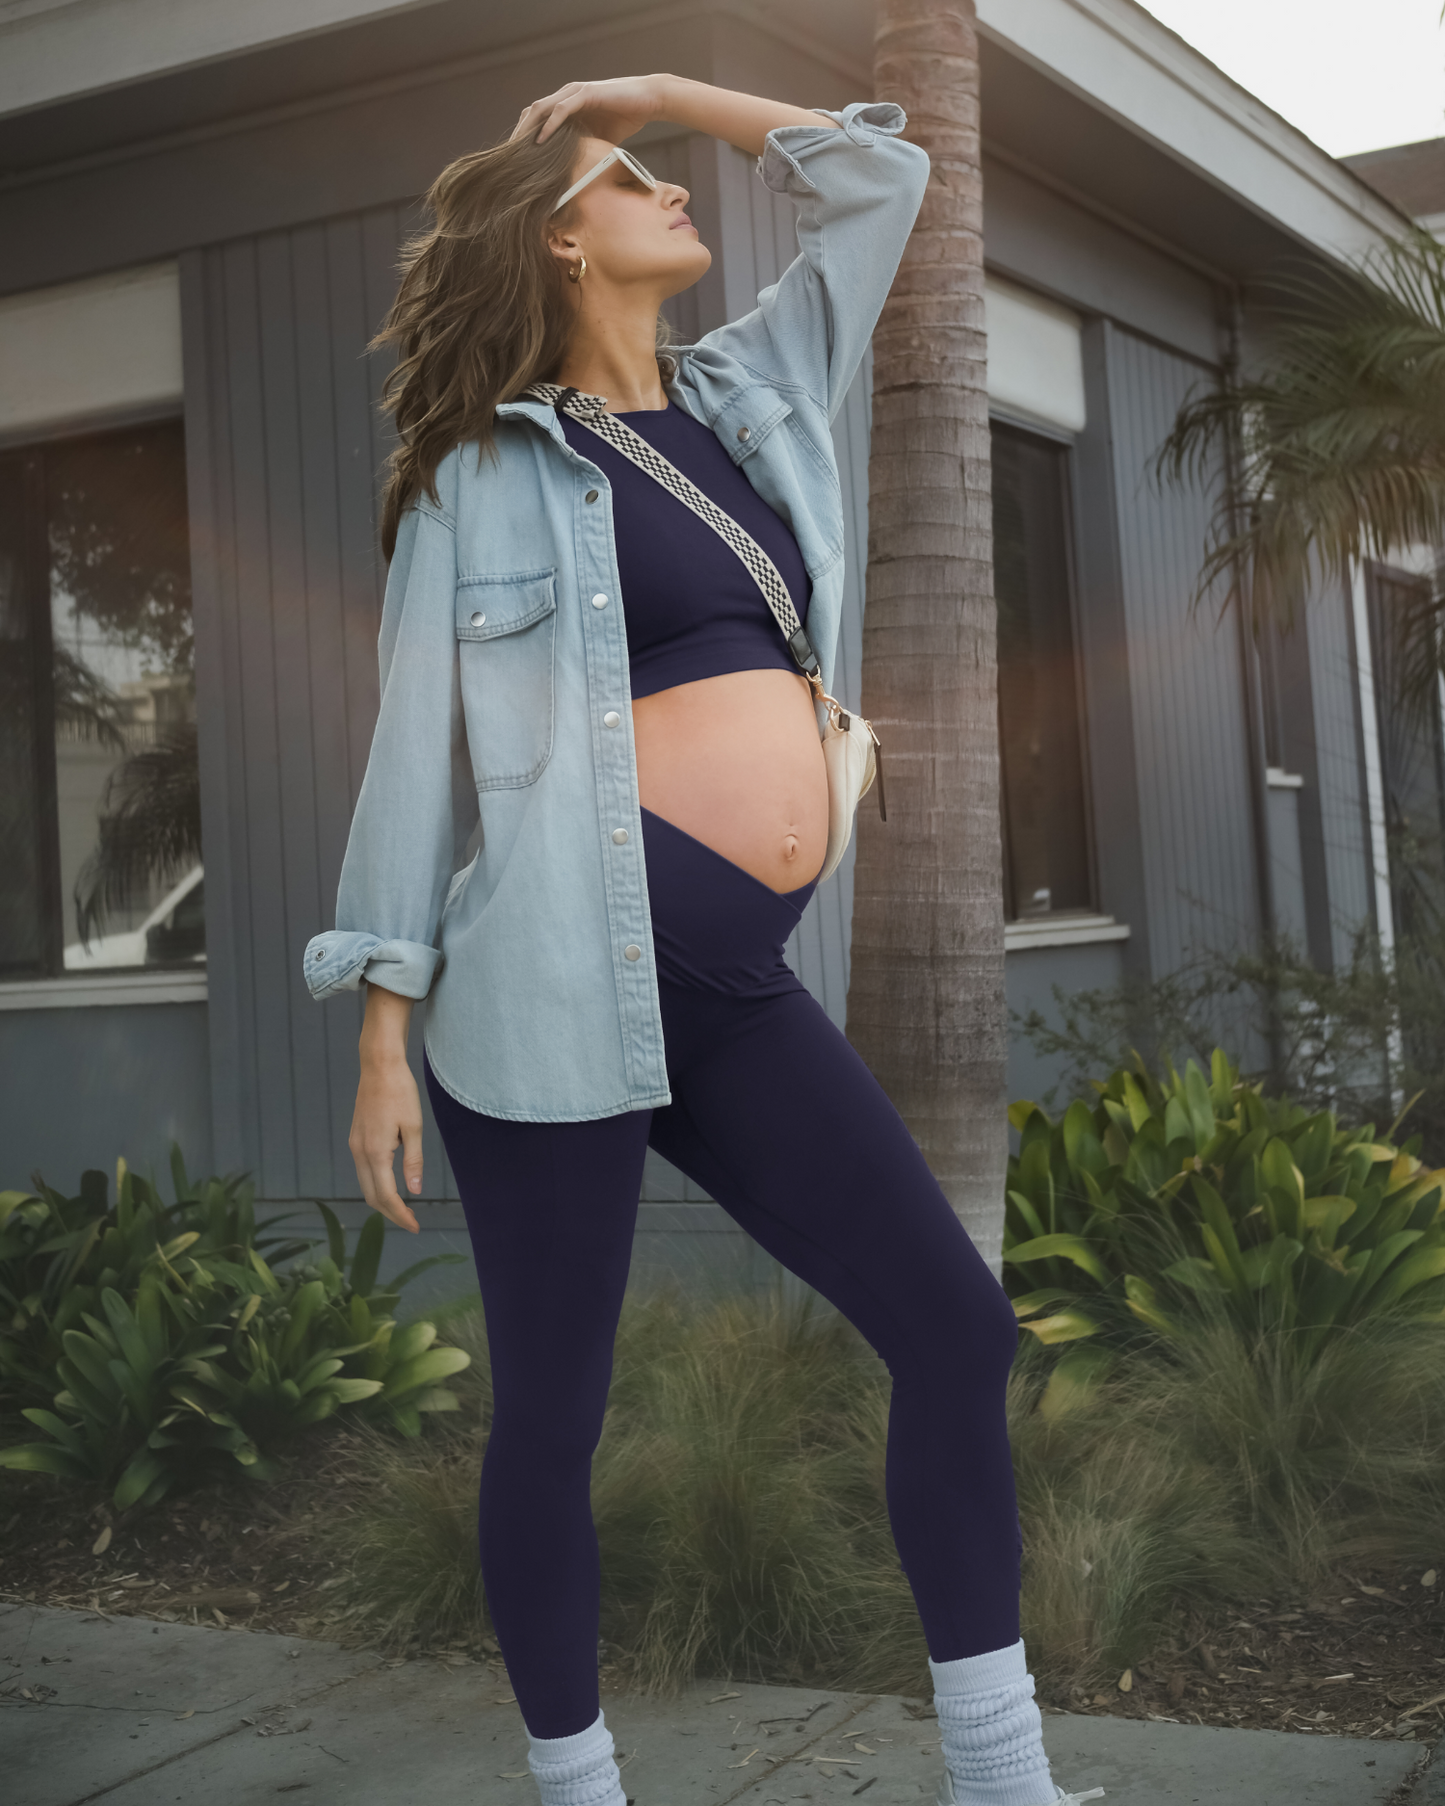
777,1117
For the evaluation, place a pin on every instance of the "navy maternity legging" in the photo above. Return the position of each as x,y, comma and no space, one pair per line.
777,1117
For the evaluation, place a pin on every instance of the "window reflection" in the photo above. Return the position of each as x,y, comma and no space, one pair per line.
127,789
100,828
1046,862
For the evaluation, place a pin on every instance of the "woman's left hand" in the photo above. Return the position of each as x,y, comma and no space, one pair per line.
613,110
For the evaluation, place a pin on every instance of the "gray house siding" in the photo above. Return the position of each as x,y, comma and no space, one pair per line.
1107,682
1030,978
283,446
330,154
1343,816
1192,732
82,1085
1053,243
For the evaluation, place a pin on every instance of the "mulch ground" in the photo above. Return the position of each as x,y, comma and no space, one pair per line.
259,1556
1364,1658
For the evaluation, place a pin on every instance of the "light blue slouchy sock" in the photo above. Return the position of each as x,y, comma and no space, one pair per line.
578,1770
991,1730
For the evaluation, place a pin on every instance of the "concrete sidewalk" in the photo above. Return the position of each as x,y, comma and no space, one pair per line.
142,1714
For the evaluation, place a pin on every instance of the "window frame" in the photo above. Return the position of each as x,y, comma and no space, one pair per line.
52,985
1080,918
1377,574
39,677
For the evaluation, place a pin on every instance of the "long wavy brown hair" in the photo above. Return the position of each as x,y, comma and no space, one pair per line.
481,310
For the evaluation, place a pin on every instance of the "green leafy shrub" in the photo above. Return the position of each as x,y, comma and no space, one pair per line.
179,1351
57,1254
1173,1199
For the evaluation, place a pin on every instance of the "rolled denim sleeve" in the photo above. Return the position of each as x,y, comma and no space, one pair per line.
418,799
858,192
339,959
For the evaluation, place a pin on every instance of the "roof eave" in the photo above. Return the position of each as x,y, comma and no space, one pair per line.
1123,61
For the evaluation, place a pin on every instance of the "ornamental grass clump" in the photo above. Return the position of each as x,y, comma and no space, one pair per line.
742,1521
737,1491
1123,1518
1177,1199
739,1500
1334,1458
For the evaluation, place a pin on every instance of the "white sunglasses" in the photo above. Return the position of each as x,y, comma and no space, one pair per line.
615,155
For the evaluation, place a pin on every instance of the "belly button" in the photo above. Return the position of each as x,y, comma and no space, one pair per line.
790,846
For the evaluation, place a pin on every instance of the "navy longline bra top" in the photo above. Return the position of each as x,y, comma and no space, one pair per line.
692,610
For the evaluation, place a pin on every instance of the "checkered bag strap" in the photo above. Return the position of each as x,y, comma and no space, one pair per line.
591,411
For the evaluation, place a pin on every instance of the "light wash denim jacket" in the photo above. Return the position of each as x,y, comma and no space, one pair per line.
504,677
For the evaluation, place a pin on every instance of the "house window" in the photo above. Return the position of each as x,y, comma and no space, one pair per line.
1403,649
100,857
1046,840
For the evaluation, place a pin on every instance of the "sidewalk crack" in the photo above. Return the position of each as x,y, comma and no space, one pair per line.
766,1774
203,1743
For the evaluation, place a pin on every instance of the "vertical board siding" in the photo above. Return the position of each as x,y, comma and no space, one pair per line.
286,444
1339,758
1103,651
208,489
286,599
1191,719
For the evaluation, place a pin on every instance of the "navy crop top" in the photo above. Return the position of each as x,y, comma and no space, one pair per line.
691,607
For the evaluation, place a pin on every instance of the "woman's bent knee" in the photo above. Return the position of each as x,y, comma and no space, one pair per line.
974,1330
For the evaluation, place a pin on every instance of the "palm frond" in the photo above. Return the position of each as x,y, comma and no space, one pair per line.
84,702
150,827
1337,451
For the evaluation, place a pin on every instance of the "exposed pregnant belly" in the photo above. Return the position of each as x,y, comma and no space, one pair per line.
736,762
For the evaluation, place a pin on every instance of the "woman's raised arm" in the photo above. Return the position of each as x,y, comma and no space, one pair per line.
614,110
858,185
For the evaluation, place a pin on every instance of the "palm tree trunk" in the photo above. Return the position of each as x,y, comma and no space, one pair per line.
926,996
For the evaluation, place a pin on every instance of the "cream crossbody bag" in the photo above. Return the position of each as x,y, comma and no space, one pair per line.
852,754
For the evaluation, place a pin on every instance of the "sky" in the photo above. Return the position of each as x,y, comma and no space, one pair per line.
1354,75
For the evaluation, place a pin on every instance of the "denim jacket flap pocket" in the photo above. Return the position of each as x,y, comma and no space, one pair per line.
748,418
506,646
504,603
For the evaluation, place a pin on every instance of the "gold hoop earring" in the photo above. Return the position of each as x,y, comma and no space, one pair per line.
575,274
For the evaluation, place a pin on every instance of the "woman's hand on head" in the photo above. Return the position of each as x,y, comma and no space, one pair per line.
388,1109
613,110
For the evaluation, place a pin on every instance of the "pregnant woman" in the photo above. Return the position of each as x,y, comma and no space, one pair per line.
583,686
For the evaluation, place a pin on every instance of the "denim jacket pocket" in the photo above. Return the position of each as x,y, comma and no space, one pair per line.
506,643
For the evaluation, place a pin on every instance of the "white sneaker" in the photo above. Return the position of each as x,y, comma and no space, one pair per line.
947,1797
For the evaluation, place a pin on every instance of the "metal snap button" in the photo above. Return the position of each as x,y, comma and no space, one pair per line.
591,496
632,953
619,839
745,432
321,951
478,620
599,601
611,718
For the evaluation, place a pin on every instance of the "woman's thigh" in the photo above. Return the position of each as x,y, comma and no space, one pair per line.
777,1116
550,1209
